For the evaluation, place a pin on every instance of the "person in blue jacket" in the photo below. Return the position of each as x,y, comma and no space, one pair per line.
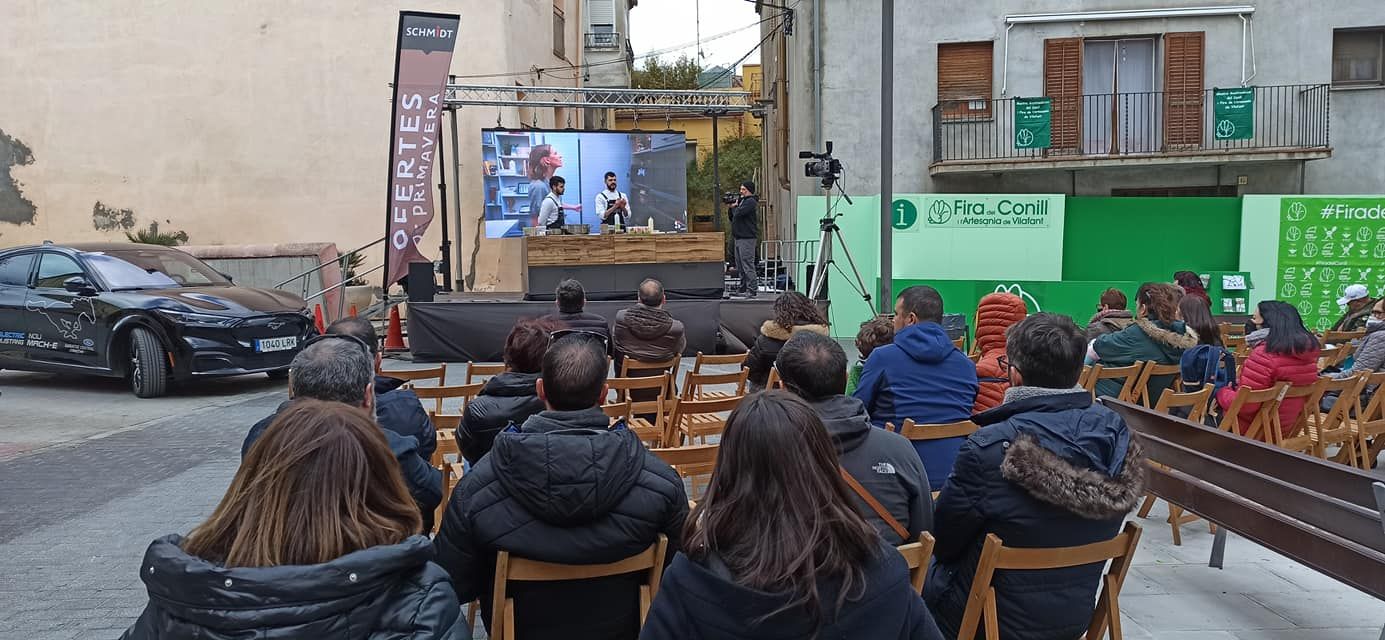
921,376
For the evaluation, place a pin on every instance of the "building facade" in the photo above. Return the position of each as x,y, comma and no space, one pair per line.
1172,98
251,122
610,60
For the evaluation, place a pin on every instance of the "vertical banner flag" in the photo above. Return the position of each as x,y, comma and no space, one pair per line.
421,61
1325,245
1033,123
1234,113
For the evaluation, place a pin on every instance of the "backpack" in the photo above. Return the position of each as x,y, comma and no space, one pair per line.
1204,364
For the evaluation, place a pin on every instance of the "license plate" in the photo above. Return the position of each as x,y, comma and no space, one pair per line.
266,345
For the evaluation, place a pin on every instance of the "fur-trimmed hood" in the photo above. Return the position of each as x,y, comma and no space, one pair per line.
1177,336
771,329
1086,492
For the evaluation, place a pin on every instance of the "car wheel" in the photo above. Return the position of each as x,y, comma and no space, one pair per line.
278,374
148,364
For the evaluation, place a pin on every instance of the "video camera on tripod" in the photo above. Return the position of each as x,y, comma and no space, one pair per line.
823,166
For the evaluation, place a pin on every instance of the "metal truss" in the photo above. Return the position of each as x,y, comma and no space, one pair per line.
724,102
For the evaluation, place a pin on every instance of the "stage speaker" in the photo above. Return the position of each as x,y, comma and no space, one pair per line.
422,284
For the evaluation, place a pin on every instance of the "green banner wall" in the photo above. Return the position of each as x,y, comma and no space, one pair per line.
1148,239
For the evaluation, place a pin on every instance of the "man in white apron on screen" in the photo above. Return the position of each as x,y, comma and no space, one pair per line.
613,205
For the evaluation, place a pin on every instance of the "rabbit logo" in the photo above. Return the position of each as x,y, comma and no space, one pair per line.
1363,235
1294,234
1305,307
1288,290
1327,276
1380,250
1323,324
1310,250
1019,291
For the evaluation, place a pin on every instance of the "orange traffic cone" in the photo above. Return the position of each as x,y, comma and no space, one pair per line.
394,335
353,311
317,319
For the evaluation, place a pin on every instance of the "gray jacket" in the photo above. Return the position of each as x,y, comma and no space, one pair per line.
884,463
1369,356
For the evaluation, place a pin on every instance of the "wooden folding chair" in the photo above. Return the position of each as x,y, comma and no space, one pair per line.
651,432
1140,394
1369,423
774,381
692,462
981,602
1232,335
414,376
694,385
1084,377
1197,403
1129,375
691,420
961,344
916,555
1334,426
1266,415
1297,438
437,394
474,370
445,427
915,432
632,368
617,411
508,567
1336,337
728,360
1334,357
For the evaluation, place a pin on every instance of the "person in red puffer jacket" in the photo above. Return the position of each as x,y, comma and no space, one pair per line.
995,315
1282,350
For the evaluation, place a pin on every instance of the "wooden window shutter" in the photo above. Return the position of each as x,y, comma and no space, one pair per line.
1183,90
1063,83
964,75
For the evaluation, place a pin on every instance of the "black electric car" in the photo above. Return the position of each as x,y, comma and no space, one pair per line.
147,313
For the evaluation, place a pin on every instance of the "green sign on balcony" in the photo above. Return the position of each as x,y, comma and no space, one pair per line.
1233,113
1033,122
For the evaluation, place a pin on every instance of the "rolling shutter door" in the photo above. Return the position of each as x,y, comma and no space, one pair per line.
964,74
1183,90
1063,83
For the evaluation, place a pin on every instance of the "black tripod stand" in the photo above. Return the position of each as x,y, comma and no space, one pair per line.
830,231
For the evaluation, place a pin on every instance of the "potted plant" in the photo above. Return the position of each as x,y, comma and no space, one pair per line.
359,293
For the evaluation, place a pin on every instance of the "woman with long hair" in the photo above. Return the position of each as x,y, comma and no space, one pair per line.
316,537
793,312
776,546
544,162
1197,315
1282,350
1157,335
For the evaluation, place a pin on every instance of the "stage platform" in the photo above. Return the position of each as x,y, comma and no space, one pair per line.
472,327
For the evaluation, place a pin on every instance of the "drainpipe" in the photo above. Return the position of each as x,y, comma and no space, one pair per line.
817,75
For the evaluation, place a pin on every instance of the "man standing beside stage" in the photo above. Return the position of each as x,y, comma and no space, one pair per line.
613,205
745,232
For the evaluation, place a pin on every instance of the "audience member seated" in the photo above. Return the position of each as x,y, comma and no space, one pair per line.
1197,317
337,368
920,376
884,464
1281,350
1048,468
995,314
1191,283
572,299
793,312
1369,356
1358,302
315,538
396,409
646,331
1157,335
876,332
510,397
1111,315
777,549
564,487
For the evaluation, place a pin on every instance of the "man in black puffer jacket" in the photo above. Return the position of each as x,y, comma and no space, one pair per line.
1049,468
508,398
647,331
882,462
572,299
567,488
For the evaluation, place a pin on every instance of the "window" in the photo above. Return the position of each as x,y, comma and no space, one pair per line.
1063,83
14,270
1357,57
1184,61
559,33
964,80
54,269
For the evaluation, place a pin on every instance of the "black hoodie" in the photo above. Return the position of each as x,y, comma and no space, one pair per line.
506,398
563,488
884,463
389,591
697,601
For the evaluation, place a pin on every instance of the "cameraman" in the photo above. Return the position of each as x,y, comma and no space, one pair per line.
745,233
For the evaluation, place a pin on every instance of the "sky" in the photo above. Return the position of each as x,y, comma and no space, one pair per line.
657,25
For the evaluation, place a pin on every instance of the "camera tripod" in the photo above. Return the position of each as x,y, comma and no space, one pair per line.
830,232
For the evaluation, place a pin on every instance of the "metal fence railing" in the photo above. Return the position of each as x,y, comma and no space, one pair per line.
604,40
784,264
1128,124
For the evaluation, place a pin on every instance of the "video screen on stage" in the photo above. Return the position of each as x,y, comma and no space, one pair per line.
650,177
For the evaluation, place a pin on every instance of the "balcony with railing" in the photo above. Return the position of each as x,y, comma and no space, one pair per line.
604,41
1285,122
